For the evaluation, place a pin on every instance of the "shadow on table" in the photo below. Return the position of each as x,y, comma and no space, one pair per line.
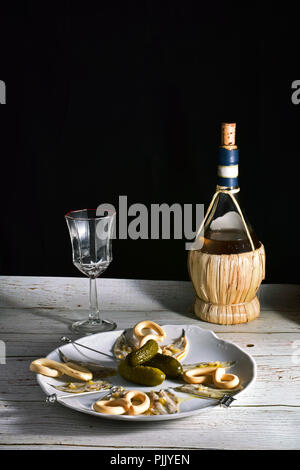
283,299
40,419
52,313
164,295
29,415
168,296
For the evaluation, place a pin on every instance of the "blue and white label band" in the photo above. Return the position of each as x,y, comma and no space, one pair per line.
231,171
228,168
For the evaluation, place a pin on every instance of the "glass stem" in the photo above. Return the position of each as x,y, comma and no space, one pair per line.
94,315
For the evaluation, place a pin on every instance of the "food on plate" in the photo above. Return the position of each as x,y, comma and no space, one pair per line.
208,364
52,368
143,354
115,406
132,402
223,380
203,391
139,402
147,367
120,402
115,392
99,371
123,346
210,374
163,402
199,375
147,355
142,332
168,364
178,348
142,360
143,375
79,387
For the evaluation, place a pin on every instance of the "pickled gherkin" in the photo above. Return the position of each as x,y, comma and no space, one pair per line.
143,375
143,354
168,364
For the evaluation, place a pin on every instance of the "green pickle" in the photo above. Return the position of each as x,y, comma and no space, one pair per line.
168,364
142,375
143,354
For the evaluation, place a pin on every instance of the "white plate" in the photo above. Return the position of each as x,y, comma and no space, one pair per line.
203,345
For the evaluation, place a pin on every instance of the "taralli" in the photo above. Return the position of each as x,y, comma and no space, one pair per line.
217,375
119,406
149,325
141,407
198,375
52,368
124,405
223,380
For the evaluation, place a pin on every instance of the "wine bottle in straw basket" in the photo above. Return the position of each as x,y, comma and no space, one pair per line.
227,262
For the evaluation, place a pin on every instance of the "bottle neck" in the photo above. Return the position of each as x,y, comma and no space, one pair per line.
228,169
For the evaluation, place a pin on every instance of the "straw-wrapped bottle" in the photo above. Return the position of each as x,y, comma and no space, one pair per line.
227,263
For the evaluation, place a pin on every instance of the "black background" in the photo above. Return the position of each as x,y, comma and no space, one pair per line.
127,99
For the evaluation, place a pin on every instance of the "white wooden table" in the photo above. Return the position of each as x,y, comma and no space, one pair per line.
35,312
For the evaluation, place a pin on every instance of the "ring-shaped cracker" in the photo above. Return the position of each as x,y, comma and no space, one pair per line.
52,368
198,375
150,325
223,380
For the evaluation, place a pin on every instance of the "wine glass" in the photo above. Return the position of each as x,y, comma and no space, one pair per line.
91,239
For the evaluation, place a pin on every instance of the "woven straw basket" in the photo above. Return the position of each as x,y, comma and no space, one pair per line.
226,285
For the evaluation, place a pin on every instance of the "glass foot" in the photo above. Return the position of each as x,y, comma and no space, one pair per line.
88,327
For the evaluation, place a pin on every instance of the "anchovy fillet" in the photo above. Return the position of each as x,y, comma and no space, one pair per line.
79,387
99,371
204,392
125,344
177,348
122,347
226,365
163,402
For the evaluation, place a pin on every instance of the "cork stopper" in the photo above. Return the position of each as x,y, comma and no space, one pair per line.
228,131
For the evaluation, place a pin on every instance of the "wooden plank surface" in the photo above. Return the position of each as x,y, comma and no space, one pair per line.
124,294
35,312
